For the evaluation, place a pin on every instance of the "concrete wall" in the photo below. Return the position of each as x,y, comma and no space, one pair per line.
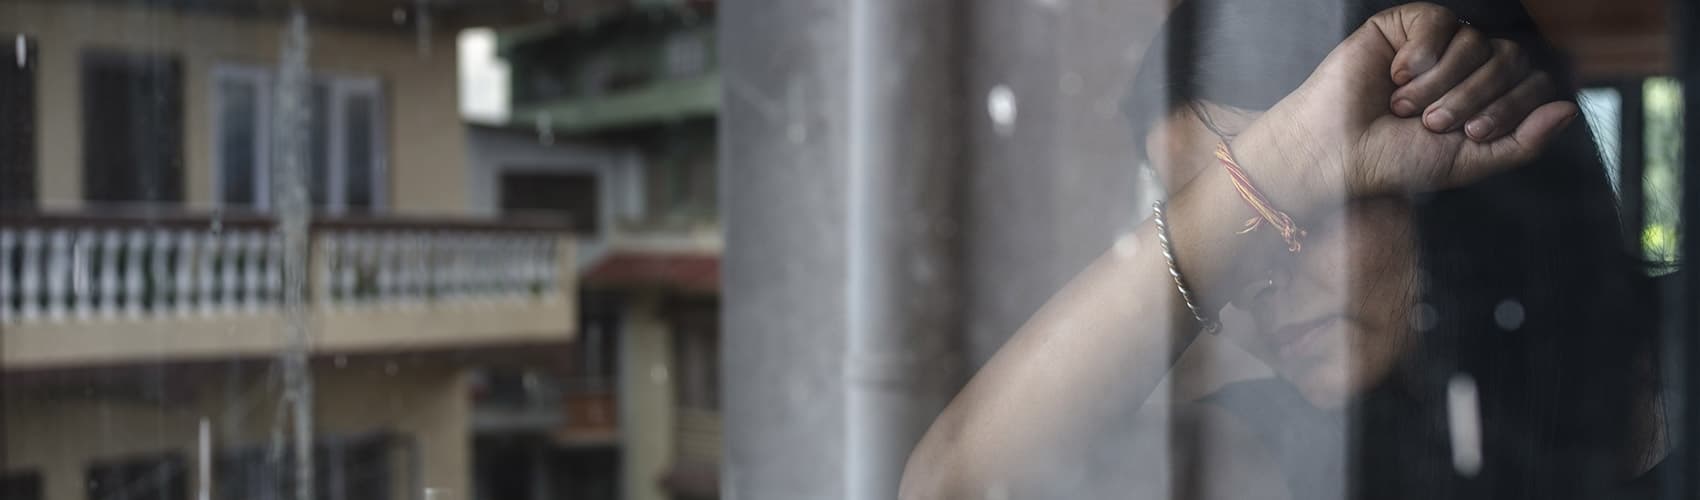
57,435
647,396
426,140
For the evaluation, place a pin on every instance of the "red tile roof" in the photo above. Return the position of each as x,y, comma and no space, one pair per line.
686,272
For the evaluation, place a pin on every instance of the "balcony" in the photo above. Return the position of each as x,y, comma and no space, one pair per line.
80,290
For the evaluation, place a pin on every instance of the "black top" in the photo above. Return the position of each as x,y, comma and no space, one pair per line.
1310,444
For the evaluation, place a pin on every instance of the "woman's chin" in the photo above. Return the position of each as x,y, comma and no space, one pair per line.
1325,385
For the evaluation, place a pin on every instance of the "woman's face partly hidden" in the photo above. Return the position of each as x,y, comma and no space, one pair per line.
1334,318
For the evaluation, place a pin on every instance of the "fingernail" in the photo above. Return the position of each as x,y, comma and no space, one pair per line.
1479,127
1439,120
1404,107
1402,76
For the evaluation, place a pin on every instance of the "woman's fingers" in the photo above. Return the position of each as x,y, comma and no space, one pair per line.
1419,34
1526,141
1468,51
1503,114
1466,101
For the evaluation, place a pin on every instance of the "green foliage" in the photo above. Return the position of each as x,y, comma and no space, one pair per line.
1663,181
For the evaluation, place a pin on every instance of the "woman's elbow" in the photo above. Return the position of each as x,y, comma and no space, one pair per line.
935,471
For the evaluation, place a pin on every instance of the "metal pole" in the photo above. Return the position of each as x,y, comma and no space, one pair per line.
839,150
902,152
1682,319
1632,161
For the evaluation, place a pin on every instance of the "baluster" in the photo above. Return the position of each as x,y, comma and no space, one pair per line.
253,269
442,266
206,272
502,262
552,264
536,283
230,269
348,265
84,280
422,253
389,261
29,281
525,267
185,273
463,278
274,269
515,254
111,246
58,273
541,257
326,270
159,274
134,262
481,261
8,238
432,273
406,248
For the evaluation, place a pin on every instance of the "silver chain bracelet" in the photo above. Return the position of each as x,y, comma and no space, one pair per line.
1210,324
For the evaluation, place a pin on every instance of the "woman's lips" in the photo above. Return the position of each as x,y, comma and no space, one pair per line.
1301,338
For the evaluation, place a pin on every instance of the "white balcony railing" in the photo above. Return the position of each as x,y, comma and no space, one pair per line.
65,272
59,269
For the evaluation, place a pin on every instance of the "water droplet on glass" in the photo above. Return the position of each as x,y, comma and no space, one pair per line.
1070,83
341,361
1464,423
545,130
23,51
398,15
658,374
1508,314
551,6
997,491
1127,246
796,133
1424,317
1000,106
390,368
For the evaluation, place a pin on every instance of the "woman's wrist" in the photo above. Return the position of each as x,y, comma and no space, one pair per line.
1291,162
1204,219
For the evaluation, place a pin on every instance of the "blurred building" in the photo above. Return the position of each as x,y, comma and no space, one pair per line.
141,277
612,126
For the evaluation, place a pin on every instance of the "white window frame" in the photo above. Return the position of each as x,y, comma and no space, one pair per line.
342,87
261,79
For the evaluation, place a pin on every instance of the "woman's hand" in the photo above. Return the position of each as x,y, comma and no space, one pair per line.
1414,100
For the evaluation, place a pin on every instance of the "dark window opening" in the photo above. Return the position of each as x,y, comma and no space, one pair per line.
569,198
344,469
132,127
20,486
158,477
17,125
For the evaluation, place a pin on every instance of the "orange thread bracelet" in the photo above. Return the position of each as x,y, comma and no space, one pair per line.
1266,212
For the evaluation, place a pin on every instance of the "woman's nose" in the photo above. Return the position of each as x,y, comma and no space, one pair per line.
1258,292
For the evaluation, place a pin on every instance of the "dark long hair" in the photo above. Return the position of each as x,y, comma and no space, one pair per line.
1564,386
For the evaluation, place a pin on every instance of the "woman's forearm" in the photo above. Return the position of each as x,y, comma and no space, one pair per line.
1097,349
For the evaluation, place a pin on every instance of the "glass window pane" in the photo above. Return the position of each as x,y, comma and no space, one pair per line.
319,149
1663,106
359,150
1603,107
238,140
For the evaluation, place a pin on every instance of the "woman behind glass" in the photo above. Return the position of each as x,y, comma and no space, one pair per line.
1460,233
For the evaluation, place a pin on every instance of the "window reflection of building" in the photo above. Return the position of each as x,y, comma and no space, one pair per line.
141,277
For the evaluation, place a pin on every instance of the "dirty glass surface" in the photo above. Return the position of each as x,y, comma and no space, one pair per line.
858,249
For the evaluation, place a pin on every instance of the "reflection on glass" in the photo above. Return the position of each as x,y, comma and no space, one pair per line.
1663,233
